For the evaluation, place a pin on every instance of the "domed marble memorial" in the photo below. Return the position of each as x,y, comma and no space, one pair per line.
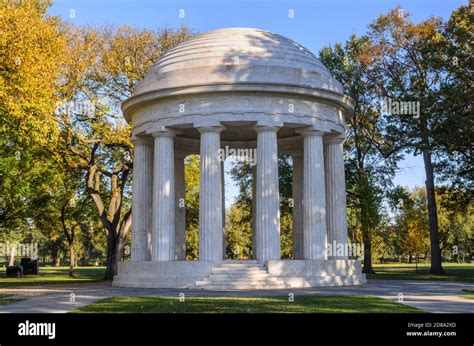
238,88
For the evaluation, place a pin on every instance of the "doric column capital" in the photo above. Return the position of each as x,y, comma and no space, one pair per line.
165,132
267,125
142,140
217,128
334,139
310,132
261,128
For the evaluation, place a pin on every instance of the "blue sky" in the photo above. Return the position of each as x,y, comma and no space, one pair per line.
316,23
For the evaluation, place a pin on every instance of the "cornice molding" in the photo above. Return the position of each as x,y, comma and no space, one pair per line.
337,100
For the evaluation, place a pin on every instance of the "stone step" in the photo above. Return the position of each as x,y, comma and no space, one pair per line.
240,286
270,280
219,276
239,266
240,275
234,274
247,262
238,270
243,279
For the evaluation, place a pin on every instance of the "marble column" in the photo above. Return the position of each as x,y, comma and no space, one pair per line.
210,196
268,200
336,196
163,198
142,199
297,210
180,208
314,197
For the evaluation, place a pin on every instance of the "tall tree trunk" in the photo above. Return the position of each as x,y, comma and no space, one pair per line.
368,268
56,257
366,238
436,267
72,259
364,209
111,262
54,254
116,244
11,261
57,261
116,226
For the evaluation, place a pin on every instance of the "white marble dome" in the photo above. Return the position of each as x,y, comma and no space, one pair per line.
239,77
238,56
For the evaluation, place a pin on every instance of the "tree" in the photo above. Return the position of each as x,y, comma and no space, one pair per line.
455,224
412,223
239,233
239,223
30,60
106,66
30,55
454,104
370,158
285,183
191,172
407,69
72,216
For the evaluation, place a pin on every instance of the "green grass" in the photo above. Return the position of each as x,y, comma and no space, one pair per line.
461,272
53,275
468,296
7,299
301,304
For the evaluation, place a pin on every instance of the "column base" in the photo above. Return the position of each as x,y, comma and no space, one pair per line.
234,275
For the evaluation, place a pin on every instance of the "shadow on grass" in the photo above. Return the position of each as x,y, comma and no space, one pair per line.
453,272
53,275
8,298
302,304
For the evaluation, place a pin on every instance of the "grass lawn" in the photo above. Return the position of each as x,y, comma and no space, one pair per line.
301,304
461,272
468,296
53,275
7,299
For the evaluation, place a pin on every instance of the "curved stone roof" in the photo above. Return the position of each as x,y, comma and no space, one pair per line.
237,56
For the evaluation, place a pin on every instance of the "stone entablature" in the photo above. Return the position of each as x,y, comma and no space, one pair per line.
231,106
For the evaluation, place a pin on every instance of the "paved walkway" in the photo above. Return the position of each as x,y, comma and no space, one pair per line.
437,297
